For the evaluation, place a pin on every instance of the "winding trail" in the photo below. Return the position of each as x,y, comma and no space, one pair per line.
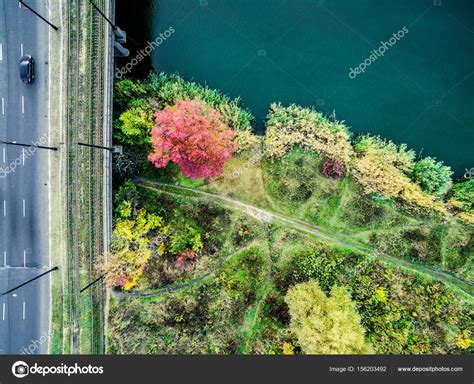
299,225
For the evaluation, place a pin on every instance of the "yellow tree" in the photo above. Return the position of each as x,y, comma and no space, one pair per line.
131,250
325,325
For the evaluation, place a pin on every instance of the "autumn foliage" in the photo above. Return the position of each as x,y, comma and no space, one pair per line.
193,136
333,169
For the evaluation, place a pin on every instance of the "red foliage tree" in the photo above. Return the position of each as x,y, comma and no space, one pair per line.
182,261
193,136
333,169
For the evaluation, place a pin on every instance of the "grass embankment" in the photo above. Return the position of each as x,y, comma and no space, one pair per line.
234,309
461,286
78,318
296,188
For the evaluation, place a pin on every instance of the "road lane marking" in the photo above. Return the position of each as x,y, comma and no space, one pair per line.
4,155
3,316
24,259
21,49
4,207
24,208
5,259
3,105
24,310
1,52
23,105
23,156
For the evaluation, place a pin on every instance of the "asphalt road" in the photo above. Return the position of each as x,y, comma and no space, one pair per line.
24,189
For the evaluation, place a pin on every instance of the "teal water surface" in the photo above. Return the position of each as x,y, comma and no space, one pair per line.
419,92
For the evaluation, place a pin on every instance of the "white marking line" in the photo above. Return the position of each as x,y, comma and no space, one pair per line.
19,5
4,155
24,259
24,208
3,316
24,310
3,105
23,105
4,207
5,259
1,52
23,156
21,49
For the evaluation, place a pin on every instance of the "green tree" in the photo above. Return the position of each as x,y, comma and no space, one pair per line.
184,238
135,126
325,325
126,200
126,91
433,176
462,195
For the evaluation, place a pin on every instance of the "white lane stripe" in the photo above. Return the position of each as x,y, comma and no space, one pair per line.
24,310
3,105
5,259
1,52
24,208
21,49
4,155
4,207
23,156
24,259
23,104
3,316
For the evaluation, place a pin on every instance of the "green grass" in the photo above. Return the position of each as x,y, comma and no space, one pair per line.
238,306
247,283
296,187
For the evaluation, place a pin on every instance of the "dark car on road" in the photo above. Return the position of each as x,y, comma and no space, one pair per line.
27,69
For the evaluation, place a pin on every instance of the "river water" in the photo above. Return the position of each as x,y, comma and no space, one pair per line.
340,56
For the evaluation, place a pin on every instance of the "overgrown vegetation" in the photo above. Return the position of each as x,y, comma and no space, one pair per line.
203,278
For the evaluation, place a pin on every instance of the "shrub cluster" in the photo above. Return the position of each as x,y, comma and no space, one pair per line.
293,125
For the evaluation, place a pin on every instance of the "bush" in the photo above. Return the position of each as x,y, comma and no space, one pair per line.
168,89
293,178
462,195
432,176
319,263
381,167
333,169
325,325
405,314
134,126
294,125
131,249
185,238
387,152
126,91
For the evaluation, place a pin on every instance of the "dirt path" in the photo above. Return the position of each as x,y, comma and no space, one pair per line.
311,229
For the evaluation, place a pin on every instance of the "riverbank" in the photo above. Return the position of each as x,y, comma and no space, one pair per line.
305,202
279,51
